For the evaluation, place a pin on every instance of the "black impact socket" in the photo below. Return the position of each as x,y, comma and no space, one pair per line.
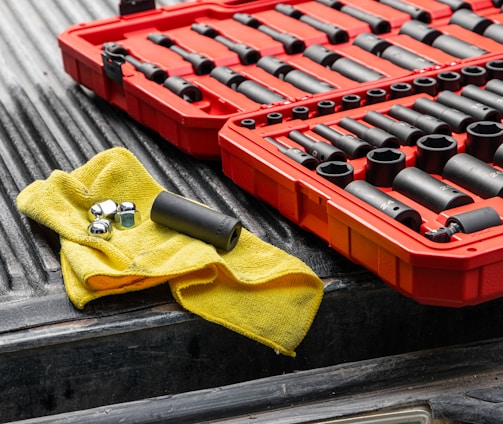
467,19
291,44
474,74
435,38
495,86
433,151
200,64
475,220
322,151
249,123
377,24
350,101
274,118
251,89
397,55
355,71
478,111
375,136
338,173
405,132
479,24
494,69
429,124
498,156
300,112
195,220
247,55
321,55
399,90
474,175
354,147
466,222
383,165
335,34
456,4
457,120
297,78
375,95
183,88
387,204
483,139
344,66
485,97
297,155
430,192
426,85
325,107
449,80
151,71
413,11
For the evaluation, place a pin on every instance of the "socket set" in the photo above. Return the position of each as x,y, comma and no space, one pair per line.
376,125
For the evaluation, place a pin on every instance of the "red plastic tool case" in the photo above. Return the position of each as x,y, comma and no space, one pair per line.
250,137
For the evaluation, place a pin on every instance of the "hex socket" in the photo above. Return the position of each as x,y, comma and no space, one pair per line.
351,101
319,149
457,120
354,147
483,139
495,69
195,220
375,95
495,86
449,80
325,107
300,112
426,85
355,71
433,151
447,43
429,191
375,136
337,172
383,165
476,110
475,220
406,133
429,124
476,75
498,156
385,203
486,97
400,89
474,175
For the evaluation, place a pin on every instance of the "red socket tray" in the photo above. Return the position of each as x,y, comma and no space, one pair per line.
227,125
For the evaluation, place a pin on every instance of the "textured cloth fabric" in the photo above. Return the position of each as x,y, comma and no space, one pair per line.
256,289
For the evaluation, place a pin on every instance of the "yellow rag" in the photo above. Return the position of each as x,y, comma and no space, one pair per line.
255,289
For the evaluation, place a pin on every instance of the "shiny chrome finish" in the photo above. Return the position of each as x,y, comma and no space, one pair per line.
127,216
101,228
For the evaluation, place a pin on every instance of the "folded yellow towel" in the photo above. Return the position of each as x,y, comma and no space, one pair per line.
255,289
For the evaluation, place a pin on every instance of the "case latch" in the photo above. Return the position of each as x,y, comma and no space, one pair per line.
127,7
112,66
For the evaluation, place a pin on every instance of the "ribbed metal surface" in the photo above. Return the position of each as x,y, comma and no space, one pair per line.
49,122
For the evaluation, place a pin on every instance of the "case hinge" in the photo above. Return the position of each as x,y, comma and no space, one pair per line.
127,7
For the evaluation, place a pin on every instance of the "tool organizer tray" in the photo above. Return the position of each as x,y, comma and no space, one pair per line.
375,125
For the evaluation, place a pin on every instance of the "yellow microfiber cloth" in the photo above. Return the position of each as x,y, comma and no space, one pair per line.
255,289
